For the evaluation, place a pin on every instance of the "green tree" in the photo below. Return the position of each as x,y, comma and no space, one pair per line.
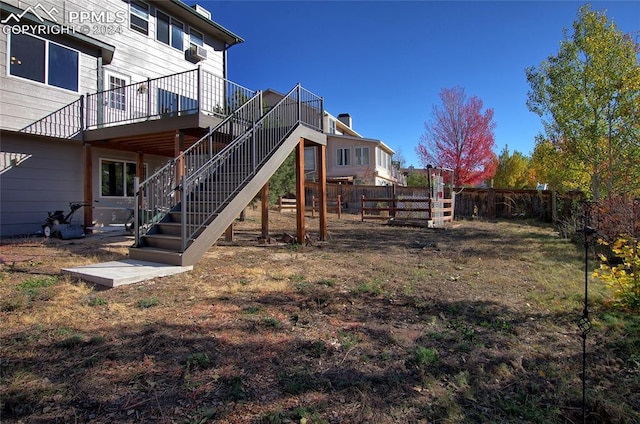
283,181
587,96
512,171
549,165
416,179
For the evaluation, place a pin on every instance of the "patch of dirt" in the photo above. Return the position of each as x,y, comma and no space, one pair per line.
380,324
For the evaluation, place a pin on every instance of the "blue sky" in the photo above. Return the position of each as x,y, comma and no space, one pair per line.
385,62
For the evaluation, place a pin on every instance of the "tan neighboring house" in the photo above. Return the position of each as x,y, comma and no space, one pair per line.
354,159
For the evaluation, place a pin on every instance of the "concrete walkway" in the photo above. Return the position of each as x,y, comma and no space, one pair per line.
127,271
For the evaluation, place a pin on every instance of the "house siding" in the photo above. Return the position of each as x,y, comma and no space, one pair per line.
25,101
47,181
51,178
52,175
137,56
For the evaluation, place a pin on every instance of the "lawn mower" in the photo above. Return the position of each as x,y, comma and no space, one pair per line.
59,225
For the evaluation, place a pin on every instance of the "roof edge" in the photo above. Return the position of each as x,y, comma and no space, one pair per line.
236,39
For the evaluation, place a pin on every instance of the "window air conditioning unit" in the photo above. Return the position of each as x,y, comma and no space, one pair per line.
197,52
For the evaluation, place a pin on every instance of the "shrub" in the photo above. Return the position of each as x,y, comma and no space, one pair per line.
148,302
33,286
623,277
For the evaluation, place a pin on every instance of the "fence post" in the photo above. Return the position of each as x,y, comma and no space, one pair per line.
339,207
362,209
491,203
394,203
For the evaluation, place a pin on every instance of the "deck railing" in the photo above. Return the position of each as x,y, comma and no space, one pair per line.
180,94
66,122
184,93
224,176
207,186
161,192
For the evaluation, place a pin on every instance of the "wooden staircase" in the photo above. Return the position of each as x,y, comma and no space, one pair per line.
217,192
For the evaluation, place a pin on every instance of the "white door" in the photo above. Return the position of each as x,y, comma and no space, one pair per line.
116,98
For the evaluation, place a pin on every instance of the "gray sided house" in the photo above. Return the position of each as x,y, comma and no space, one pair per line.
125,105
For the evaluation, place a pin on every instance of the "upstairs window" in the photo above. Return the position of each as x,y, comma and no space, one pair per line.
177,34
332,126
196,37
344,157
43,61
169,31
139,16
362,156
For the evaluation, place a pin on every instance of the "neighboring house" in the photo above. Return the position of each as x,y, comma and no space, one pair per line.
98,94
351,158
354,159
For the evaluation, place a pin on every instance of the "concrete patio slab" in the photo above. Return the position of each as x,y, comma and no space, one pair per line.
127,271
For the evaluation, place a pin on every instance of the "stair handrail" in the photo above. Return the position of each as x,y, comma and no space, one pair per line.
224,175
160,192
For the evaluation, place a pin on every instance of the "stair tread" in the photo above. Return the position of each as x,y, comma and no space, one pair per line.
162,236
158,250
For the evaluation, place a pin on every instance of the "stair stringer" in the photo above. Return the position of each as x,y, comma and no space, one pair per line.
227,216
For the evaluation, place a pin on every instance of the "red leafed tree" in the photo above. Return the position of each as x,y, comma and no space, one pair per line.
460,136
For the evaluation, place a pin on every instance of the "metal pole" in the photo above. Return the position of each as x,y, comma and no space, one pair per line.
136,209
584,323
183,210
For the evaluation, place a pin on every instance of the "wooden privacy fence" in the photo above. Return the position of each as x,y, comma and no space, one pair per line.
285,204
404,208
334,206
545,205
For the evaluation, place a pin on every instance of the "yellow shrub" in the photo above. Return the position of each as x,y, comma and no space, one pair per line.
624,277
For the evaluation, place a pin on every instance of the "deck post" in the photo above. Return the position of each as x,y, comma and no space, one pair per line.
228,234
322,191
300,230
264,201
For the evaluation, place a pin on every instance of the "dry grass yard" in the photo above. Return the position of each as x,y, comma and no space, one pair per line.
381,324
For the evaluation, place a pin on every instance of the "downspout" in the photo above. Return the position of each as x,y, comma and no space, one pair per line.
224,60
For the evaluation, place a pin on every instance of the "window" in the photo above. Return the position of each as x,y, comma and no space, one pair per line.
43,61
344,157
169,31
309,159
171,103
177,34
139,16
362,156
332,126
162,27
117,96
196,37
117,178
383,159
